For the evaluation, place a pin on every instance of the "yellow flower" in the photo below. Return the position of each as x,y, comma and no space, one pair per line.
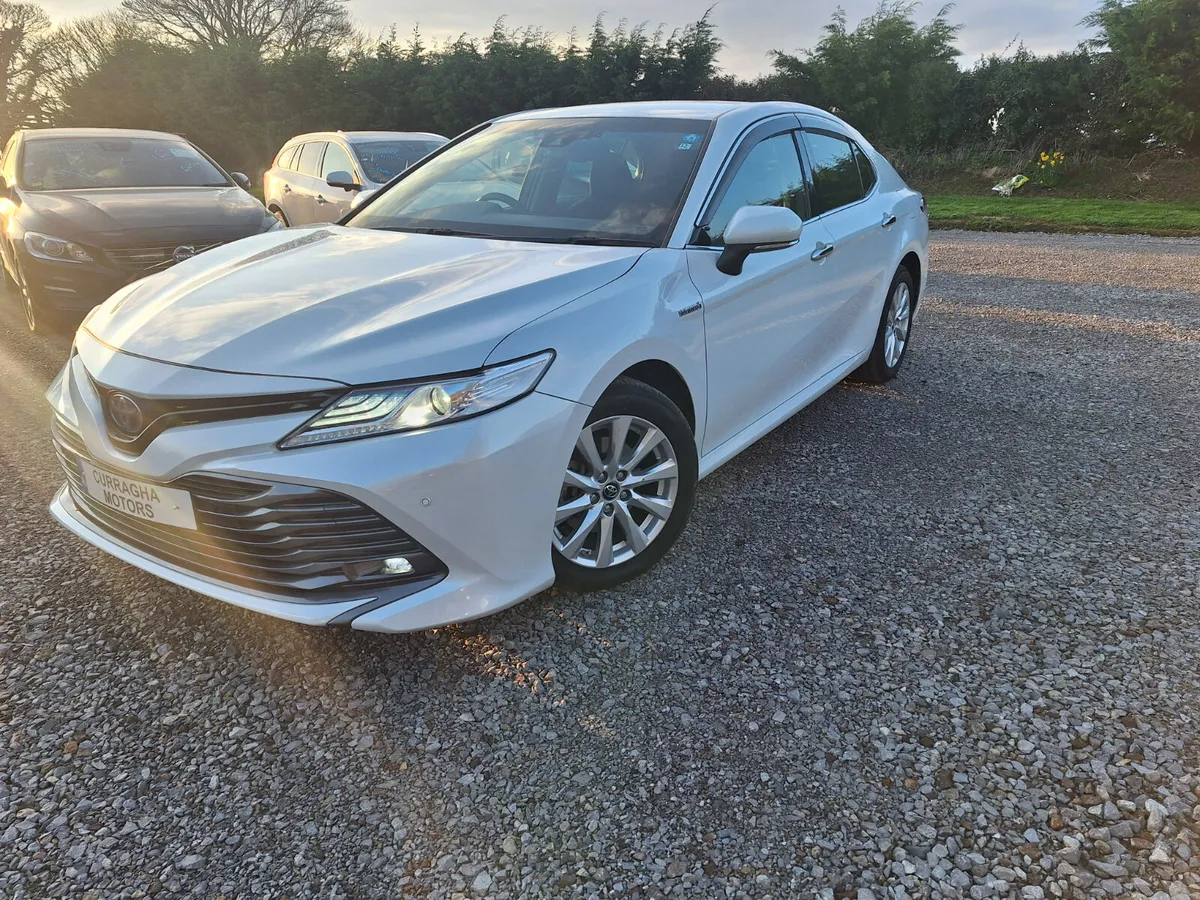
1044,156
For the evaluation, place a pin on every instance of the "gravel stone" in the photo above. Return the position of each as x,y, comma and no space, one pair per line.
932,639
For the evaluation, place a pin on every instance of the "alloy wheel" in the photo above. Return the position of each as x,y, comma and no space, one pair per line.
31,318
618,492
899,316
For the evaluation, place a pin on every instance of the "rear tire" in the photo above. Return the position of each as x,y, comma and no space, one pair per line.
894,334
278,214
628,490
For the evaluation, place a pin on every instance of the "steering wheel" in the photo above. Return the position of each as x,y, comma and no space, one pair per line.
505,199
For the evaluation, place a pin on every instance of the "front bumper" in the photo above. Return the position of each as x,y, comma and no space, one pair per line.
71,288
479,495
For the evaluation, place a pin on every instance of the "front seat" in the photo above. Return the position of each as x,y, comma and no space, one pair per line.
610,186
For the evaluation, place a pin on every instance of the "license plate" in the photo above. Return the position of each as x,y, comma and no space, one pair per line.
152,502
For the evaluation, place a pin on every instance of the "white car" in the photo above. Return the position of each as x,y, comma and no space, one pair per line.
507,370
319,177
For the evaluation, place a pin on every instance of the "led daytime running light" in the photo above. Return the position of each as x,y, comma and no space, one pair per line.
388,409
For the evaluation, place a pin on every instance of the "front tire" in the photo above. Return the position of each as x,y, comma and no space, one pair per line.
39,319
628,489
892,338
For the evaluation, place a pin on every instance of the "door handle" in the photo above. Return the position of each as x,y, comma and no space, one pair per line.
821,252
287,188
321,200
889,219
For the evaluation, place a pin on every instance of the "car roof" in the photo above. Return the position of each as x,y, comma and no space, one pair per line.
354,136
671,109
37,134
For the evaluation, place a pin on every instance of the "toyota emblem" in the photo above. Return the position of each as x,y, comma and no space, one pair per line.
185,252
125,414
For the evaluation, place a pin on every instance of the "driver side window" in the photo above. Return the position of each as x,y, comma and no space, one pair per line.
770,175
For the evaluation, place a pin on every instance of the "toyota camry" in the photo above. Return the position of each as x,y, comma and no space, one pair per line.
507,369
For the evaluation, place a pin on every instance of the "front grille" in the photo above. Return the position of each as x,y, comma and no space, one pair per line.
159,415
145,257
285,539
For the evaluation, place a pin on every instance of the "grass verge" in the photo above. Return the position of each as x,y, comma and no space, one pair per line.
1057,214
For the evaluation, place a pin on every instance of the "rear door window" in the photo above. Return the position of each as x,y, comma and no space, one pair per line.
310,158
287,158
836,181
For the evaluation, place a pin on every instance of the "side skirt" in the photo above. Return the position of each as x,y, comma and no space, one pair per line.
767,423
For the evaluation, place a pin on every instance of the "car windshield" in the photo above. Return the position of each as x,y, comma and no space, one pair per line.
384,160
579,180
60,164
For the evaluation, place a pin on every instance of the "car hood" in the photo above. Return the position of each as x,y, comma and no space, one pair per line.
102,217
349,304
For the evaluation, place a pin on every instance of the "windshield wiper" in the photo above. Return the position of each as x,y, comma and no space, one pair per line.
443,232
598,241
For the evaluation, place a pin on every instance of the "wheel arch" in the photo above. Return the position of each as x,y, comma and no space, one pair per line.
665,378
912,263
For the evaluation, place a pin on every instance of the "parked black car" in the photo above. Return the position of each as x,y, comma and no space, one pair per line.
87,210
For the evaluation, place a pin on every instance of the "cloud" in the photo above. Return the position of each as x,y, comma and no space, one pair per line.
749,28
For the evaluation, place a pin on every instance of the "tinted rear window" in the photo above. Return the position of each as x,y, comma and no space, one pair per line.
835,173
866,171
384,160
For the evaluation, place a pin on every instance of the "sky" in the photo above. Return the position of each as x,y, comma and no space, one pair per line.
749,28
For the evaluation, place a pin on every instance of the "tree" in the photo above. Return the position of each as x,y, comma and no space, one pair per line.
270,27
79,47
24,66
889,77
1158,43
1063,100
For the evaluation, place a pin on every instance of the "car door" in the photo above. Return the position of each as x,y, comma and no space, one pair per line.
759,325
301,206
277,182
333,203
861,226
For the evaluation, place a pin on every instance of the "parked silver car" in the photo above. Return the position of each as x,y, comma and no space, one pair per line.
508,370
315,177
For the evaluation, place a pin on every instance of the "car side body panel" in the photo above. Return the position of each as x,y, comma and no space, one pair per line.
652,313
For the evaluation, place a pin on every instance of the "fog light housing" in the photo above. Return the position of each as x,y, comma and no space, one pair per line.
397,565
379,568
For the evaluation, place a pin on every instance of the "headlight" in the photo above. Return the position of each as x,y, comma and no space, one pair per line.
43,246
387,409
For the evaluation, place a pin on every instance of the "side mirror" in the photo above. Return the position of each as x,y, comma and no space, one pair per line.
757,229
240,180
360,198
343,180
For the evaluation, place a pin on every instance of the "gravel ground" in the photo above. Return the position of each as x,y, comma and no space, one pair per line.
936,639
